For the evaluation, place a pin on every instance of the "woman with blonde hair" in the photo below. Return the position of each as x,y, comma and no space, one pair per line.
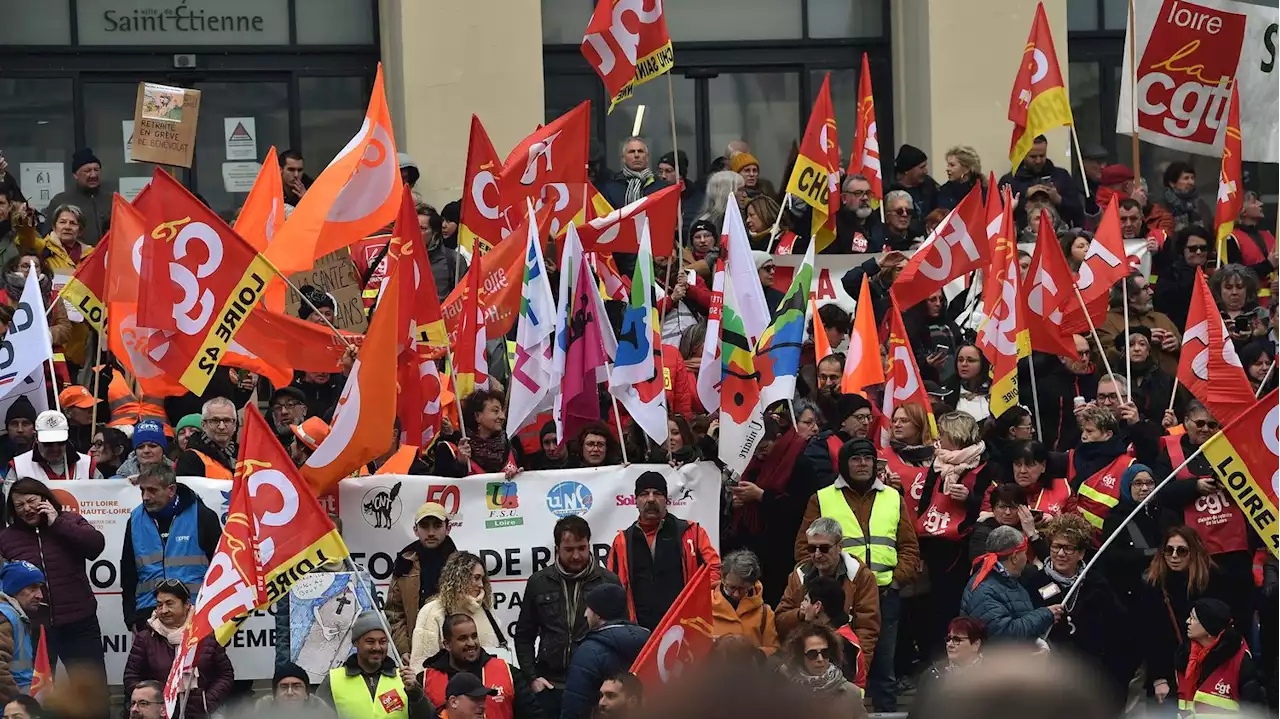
464,589
964,170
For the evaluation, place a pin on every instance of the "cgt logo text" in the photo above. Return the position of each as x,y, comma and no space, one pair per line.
679,498
502,500
569,498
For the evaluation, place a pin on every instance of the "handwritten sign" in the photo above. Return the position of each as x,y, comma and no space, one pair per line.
164,125
334,273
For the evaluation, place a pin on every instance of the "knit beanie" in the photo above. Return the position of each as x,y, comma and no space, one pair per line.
83,156
17,576
1214,615
365,623
608,601
908,157
742,160
21,409
149,430
651,480
289,670
191,420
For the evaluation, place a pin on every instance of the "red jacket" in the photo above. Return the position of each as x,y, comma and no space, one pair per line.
695,546
679,382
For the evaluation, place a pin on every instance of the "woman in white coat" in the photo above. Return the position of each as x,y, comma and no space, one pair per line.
464,589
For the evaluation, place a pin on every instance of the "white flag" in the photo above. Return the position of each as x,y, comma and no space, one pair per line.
535,335
28,344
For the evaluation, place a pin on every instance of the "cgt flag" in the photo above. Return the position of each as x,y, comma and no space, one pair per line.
619,230
1208,365
957,246
682,638
549,167
1230,178
1244,456
1038,101
903,384
1003,334
865,158
480,222
27,345
862,366
816,176
627,44
1049,283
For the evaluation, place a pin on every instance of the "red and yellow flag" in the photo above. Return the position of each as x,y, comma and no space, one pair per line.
1039,98
87,288
355,196
469,364
1230,178
903,384
1208,365
865,158
1244,456
683,637
815,179
480,222
42,674
627,44
1003,335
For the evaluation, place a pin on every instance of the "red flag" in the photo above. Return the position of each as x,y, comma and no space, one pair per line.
1003,335
217,276
549,167
903,384
1002,245
865,158
87,288
956,247
470,370
627,44
1208,365
821,342
1038,100
481,216
42,676
1231,177
1104,265
157,294
619,230
1244,456
1048,294
275,345
682,638
815,179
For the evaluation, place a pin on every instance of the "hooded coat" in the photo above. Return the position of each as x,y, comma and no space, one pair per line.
606,650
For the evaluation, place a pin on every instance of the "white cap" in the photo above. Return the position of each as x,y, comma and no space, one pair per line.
51,427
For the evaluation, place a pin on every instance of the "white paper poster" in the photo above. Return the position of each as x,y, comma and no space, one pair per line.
241,135
239,176
42,181
131,186
127,126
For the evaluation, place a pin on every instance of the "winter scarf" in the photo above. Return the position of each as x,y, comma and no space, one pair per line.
1190,679
173,636
571,597
1059,578
773,475
15,282
490,454
1182,205
916,454
951,464
829,681
636,182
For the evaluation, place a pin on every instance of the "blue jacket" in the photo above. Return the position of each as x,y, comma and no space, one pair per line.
22,665
1005,606
179,557
603,652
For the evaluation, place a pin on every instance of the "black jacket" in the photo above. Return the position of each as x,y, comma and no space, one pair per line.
1057,387
1071,209
1130,554
1092,628
1162,621
208,530
553,614
879,289
608,649
924,198
615,190
526,704
1173,291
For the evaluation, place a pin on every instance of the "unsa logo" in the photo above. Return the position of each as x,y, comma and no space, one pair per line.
569,498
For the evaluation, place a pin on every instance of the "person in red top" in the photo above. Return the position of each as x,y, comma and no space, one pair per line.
1218,674
656,556
679,382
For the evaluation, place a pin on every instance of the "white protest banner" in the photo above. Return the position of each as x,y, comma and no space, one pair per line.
828,271
508,523
1187,53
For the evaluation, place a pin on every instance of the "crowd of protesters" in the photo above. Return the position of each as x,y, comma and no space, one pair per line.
847,564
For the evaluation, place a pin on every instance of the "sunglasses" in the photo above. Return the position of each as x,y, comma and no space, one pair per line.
1197,248
900,211
814,655
1203,423
819,548
1172,550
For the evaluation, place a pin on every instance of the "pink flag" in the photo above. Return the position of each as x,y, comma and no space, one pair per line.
584,356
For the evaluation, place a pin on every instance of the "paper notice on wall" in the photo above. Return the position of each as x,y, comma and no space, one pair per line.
127,126
241,135
42,181
131,186
239,176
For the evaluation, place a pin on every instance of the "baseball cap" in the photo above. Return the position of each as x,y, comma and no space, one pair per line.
51,426
76,396
311,432
430,509
468,685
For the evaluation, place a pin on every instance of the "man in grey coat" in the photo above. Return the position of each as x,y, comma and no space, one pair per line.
87,194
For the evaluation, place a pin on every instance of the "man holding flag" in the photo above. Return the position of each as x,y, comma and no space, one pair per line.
368,683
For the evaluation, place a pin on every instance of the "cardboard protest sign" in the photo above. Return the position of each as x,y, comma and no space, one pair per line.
336,274
164,124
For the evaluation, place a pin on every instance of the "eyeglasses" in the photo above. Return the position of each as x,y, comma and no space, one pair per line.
1197,248
143,704
219,421
1141,483
1004,507
857,193
1203,423
814,655
595,444
1173,550
861,416
1064,549
738,590
956,639
819,548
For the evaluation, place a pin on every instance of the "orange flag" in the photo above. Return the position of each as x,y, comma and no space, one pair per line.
364,423
275,345
682,638
1208,365
1048,294
1038,101
902,384
815,179
862,367
1230,178
419,300
1003,335
865,158
42,676
261,218
355,196
957,246
821,343
481,217
548,167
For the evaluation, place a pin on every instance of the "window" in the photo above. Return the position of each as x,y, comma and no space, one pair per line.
108,123
335,22
331,110
563,21
761,108
846,18
224,183
36,129
1086,103
733,20
1082,15
36,22
655,126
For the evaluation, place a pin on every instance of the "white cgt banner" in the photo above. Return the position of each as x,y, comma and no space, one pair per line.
1187,53
506,522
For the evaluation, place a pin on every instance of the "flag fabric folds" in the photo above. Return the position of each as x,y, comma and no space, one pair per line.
682,639
903,384
261,218
1208,365
636,380
584,354
480,221
470,367
1104,265
1244,456
619,230
778,352
535,337
87,288
1038,101
1003,335
42,672
957,246
1231,176
862,366
815,179
627,44
357,194
709,376
821,342
549,167
27,344
748,294
865,158
1048,292
741,411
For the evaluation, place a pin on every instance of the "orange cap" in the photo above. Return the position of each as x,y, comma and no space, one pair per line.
76,396
311,432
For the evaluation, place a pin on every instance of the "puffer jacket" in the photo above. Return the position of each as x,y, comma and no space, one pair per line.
608,649
61,550
752,618
1005,606
553,614
130,467
152,656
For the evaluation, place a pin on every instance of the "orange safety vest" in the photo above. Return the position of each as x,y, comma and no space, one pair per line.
399,462
212,469
126,410
495,675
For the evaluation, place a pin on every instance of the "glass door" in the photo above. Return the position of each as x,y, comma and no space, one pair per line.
239,121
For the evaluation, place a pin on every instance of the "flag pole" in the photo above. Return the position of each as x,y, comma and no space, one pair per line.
1133,94
1174,394
1128,356
617,418
1084,180
1035,397
675,158
97,376
306,300
777,223
1094,331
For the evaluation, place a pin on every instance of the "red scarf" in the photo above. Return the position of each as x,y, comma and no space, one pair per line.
1190,679
988,561
773,472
